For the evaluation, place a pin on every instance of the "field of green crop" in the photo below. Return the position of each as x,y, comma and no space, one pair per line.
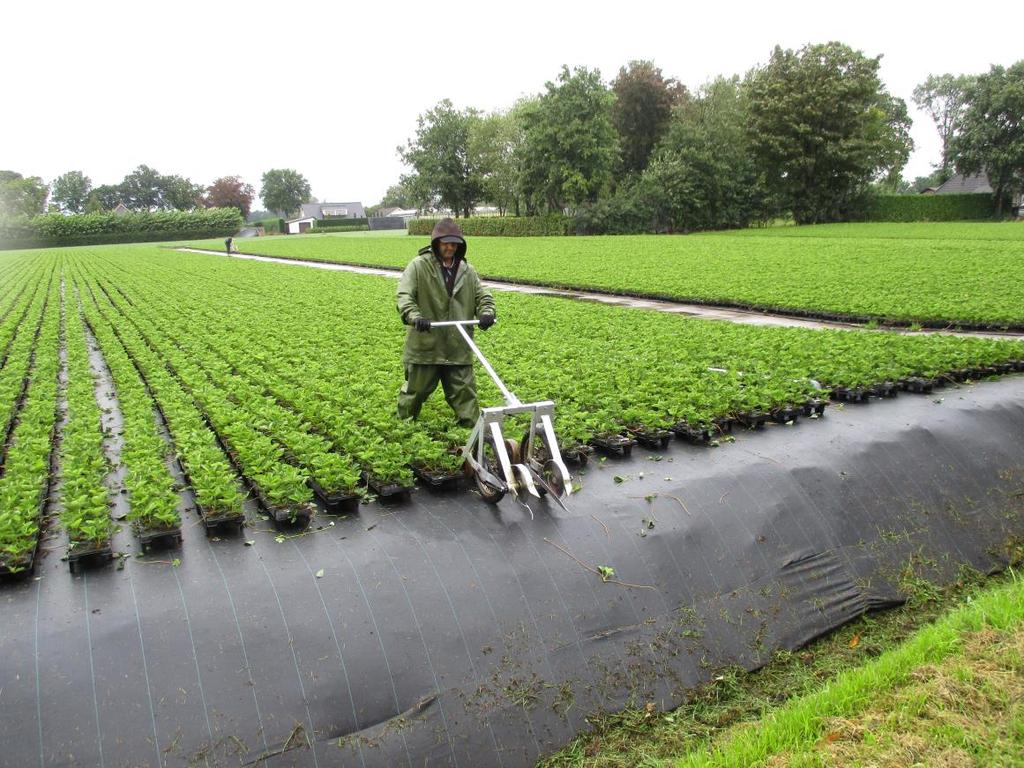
284,379
932,274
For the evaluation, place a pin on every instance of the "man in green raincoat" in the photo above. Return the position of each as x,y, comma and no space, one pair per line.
439,284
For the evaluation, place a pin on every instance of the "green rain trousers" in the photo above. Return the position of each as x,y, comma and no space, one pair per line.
457,381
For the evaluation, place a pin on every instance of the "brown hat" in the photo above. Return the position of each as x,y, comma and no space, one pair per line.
447,231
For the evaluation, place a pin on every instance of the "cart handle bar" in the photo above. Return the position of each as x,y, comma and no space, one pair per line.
510,399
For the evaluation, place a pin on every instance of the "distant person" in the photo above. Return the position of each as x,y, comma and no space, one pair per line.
440,285
227,245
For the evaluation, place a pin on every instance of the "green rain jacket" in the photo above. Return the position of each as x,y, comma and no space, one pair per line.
422,293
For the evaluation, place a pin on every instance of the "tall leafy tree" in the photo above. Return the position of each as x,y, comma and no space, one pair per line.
442,159
990,136
284,189
944,98
21,196
230,192
644,100
70,191
105,197
180,194
496,142
703,175
822,127
141,190
570,147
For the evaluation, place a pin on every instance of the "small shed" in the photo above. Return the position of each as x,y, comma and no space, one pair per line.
300,225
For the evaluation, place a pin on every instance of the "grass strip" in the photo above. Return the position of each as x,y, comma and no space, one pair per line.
802,723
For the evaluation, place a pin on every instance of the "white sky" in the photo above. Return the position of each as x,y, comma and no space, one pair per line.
217,88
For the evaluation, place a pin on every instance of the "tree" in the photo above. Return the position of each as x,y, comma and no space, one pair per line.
141,190
644,100
496,142
70,191
230,192
284,190
943,97
21,196
105,197
702,175
570,146
822,127
990,136
180,194
441,158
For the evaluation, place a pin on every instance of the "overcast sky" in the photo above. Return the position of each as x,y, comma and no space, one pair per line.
217,88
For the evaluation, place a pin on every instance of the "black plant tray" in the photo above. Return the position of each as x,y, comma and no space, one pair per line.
651,438
89,556
919,385
849,394
882,389
338,503
579,454
960,374
786,413
723,424
437,481
696,434
814,406
752,419
20,568
617,445
297,516
1018,365
159,537
383,490
218,522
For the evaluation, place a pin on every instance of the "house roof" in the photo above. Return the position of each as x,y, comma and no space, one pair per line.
976,183
316,210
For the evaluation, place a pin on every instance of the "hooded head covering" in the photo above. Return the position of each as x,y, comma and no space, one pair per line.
448,231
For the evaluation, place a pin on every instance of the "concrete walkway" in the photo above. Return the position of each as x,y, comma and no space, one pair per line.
704,311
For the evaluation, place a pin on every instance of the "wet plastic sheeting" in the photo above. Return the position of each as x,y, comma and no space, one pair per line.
447,632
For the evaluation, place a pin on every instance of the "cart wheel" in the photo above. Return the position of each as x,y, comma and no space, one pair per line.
553,477
541,452
513,449
488,492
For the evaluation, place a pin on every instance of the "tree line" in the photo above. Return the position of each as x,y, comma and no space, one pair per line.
145,189
809,135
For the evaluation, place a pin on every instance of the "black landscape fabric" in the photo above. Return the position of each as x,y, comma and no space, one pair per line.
444,631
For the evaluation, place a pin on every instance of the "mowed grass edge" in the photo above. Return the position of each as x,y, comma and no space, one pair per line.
800,724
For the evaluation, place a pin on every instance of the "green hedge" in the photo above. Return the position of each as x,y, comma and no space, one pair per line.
930,207
56,230
273,226
341,224
500,226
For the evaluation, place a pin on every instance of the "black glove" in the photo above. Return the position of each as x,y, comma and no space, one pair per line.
421,324
486,321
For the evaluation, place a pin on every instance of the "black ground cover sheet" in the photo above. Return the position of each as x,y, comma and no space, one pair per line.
447,632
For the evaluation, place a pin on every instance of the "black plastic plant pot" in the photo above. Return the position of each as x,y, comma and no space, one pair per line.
723,424
654,439
1018,365
814,407
20,567
613,444
698,435
752,419
385,490
437,481
89,555
297,516
785,414
222,520
1004,367
579,454
919,385
336,503
164,537
882,389
848,394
